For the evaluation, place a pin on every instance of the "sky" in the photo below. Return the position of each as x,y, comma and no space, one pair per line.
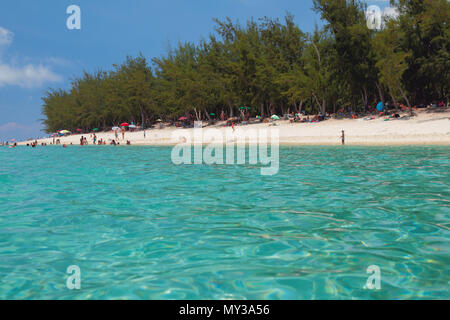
39,52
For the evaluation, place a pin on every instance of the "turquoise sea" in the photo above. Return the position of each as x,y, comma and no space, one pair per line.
140,227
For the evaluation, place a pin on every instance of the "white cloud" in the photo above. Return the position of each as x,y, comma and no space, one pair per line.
6,37
20,131
26,76
11,126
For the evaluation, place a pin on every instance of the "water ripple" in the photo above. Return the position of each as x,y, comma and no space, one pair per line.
140,227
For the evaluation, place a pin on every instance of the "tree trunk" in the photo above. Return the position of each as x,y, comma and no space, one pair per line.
317,100
198,114
142,116
380,92
365,98
272,108
393,98
231,108
407,100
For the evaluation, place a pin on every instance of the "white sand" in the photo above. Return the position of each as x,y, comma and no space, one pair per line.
425,128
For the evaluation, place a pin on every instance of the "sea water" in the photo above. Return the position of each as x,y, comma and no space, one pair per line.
140,227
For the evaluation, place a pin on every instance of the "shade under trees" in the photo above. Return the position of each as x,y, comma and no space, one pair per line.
272,67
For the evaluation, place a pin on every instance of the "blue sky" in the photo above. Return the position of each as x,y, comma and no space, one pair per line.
38,52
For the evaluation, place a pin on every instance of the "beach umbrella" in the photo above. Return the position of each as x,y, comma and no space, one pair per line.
182,119
132,126
95,129
125,124
275,117
159,120
115,128
79,130
64,131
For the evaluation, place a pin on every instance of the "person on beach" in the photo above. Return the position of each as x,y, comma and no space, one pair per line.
116,134
95,138
343,137
123,133
81,140
232,126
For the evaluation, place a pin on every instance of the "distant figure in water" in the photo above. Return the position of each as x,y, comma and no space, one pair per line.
123,133
343,137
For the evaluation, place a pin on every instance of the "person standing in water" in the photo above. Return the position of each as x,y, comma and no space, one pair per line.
343,137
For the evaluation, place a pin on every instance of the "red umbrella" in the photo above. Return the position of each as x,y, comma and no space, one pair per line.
79,130
125,124
182,118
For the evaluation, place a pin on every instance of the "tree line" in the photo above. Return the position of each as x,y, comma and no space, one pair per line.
273,67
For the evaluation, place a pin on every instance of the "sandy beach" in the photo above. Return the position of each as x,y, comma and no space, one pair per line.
427,128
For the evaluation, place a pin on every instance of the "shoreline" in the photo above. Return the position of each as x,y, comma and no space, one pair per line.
423,129
281,144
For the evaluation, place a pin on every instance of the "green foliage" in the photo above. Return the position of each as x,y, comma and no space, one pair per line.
272,67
